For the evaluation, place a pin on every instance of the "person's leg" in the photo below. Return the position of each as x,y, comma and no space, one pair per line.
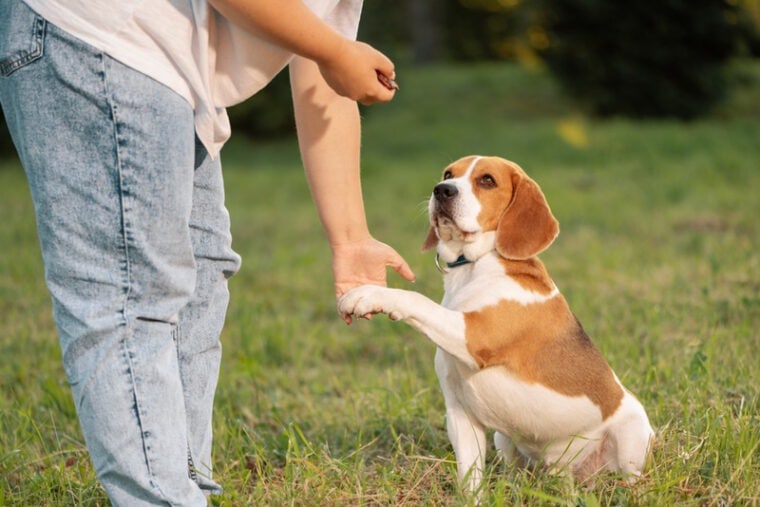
110,157
201,321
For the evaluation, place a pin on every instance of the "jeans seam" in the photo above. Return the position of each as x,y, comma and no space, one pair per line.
191,470
124,209
127,273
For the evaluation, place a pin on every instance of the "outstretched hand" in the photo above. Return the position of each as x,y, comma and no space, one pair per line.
364,262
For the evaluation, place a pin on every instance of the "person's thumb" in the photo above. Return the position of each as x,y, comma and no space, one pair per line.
402,268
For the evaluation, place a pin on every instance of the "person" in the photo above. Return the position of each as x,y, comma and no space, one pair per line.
117,113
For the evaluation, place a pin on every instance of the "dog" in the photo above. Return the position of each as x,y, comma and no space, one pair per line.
511,356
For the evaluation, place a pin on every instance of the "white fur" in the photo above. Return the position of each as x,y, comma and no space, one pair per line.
477,285
465,228
447,329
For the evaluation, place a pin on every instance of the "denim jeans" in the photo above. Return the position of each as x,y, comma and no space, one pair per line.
136,245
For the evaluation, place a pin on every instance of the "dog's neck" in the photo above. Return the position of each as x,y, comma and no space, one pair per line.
457,253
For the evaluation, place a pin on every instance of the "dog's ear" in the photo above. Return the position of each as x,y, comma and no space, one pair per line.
431,240
527,227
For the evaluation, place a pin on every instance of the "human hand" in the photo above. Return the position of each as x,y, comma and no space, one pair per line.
364,262
360,72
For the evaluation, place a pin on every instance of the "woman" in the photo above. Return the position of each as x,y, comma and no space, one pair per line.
117,113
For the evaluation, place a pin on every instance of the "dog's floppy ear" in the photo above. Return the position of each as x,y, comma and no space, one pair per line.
431,240
527,227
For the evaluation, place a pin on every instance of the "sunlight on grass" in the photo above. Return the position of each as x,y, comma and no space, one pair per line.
573,131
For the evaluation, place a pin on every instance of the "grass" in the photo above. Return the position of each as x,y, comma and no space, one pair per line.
658,257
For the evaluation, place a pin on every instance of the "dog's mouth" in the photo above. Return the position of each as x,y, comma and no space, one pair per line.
447,227
451,214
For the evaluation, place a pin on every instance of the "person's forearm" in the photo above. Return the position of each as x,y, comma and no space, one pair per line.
287,23
329,139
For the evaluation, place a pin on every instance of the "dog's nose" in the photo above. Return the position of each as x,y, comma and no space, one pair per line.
445,191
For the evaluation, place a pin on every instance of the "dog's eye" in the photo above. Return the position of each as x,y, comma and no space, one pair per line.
447,175
486,181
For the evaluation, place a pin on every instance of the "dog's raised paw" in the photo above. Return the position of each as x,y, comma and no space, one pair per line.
367,300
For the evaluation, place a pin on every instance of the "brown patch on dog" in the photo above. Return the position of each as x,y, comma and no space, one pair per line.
527,226
543,343
494,200
531,274
431,240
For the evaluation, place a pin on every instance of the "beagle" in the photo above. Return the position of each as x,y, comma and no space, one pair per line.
511,355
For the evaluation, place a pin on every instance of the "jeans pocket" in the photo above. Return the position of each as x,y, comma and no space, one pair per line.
22,36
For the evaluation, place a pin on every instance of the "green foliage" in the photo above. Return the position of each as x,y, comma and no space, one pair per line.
657,256
267,114
651,58
476,33
481,30
385,24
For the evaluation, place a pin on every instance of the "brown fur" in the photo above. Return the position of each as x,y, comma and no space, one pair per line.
430,240
531,274
494,201
527,226
543,343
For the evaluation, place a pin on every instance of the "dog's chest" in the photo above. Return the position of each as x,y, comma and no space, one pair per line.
485,284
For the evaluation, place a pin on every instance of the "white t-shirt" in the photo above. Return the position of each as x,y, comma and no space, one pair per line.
189,47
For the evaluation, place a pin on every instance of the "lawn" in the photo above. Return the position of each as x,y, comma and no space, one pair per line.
658,257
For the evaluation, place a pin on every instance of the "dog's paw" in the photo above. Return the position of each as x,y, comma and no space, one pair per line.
368,300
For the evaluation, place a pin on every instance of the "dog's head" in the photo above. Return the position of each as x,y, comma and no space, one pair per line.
486,203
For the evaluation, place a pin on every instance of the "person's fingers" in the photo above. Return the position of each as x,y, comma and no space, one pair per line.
386,81
384,65
402,268
357,265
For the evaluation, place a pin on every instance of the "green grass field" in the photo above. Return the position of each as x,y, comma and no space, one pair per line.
658,257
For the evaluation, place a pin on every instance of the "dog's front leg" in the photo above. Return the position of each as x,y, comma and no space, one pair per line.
468,438
444,327
466,434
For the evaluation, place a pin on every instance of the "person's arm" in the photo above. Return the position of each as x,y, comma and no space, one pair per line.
329,134
349,67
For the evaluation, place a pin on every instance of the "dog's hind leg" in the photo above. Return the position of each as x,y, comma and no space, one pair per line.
633,438
507,451
504,447
634,441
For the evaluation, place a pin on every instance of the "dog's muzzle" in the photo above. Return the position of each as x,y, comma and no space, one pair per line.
444,192
444,195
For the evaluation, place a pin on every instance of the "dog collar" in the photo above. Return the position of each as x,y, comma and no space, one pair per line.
461,261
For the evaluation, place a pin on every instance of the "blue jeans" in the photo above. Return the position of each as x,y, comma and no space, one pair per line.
136,244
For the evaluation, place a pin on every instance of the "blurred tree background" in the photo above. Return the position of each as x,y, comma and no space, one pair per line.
650,58
645,59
